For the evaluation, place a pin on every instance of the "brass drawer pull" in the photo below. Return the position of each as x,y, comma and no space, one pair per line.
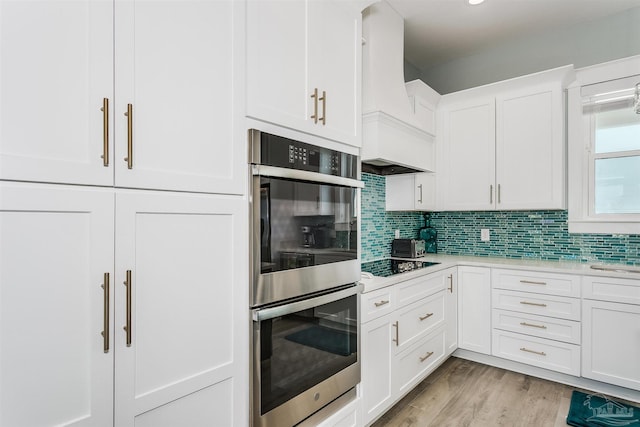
491,194
541,353
129,158
323,119
426,316
426,356
381,303
531,282
105,314
450,288
128,283
397,338
314,95
105,132
532,325
533,303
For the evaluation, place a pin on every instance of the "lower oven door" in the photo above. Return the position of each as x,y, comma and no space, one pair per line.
305,354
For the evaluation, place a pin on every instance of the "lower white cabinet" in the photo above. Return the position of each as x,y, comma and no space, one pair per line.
611,331
63,346
474,309
403,341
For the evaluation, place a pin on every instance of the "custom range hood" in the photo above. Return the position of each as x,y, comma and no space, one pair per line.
398,123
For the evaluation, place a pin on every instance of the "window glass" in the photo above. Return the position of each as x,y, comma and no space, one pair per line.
617,130
617,185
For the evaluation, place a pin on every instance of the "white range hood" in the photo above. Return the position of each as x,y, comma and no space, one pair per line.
398,128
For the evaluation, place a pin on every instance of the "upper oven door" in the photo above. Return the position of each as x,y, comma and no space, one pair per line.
304,232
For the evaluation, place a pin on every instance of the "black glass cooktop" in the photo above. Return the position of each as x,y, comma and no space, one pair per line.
389,267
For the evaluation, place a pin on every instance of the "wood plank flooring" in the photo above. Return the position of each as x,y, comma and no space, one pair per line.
461,393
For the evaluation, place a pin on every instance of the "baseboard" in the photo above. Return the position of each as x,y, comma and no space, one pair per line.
578,382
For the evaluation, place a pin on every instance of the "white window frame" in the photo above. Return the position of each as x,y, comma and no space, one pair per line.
581,161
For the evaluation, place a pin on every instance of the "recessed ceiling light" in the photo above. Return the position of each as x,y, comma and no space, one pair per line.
474,2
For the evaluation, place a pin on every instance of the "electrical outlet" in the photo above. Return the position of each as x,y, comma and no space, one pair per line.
484,234
397,234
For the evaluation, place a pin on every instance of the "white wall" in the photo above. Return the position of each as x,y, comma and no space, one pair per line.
613,37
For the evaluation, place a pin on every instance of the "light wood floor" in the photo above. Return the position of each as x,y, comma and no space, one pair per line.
461,393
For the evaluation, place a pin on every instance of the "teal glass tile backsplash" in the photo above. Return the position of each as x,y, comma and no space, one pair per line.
513,234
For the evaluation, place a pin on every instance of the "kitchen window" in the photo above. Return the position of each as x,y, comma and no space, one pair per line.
604,151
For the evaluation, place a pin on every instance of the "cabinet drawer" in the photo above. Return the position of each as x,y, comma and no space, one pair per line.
545,283
414,364
548,354
419,319
543,305
538,326
611,289
377,303
414,289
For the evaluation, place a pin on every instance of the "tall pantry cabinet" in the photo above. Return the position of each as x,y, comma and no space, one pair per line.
78,346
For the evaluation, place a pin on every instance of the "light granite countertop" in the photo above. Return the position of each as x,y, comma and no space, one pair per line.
447,261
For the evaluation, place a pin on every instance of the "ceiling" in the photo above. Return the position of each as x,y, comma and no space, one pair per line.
438,31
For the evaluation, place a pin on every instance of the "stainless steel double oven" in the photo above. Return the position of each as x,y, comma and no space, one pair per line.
305,266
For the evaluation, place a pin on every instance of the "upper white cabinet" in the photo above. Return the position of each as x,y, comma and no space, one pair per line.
178,76
306,76
56,70
503,145
410,192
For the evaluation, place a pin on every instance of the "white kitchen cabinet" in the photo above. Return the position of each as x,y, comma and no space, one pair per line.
503,145
377,366
611,331
403,339
178,66
188,335
55,252
536,319
56,68
307,75
410,192
451,310
474,309
188,346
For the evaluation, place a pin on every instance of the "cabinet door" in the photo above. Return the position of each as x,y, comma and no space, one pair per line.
56,67
376,359
56,246
474,309
410,192
469,156
425,191
451,310
335,58
611,343
277,89
529,149
188,350
180,66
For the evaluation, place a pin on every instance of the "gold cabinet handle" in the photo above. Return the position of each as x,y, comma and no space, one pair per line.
541,353
491,194
129,158
426,356
314,95
532,325
499,194
105,132
450,288
105,315
127,327
323,119
381,303
420,188
397,338
425,317
530,282
533,303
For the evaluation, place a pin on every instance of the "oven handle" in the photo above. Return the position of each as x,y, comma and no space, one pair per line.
260,314
262,170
